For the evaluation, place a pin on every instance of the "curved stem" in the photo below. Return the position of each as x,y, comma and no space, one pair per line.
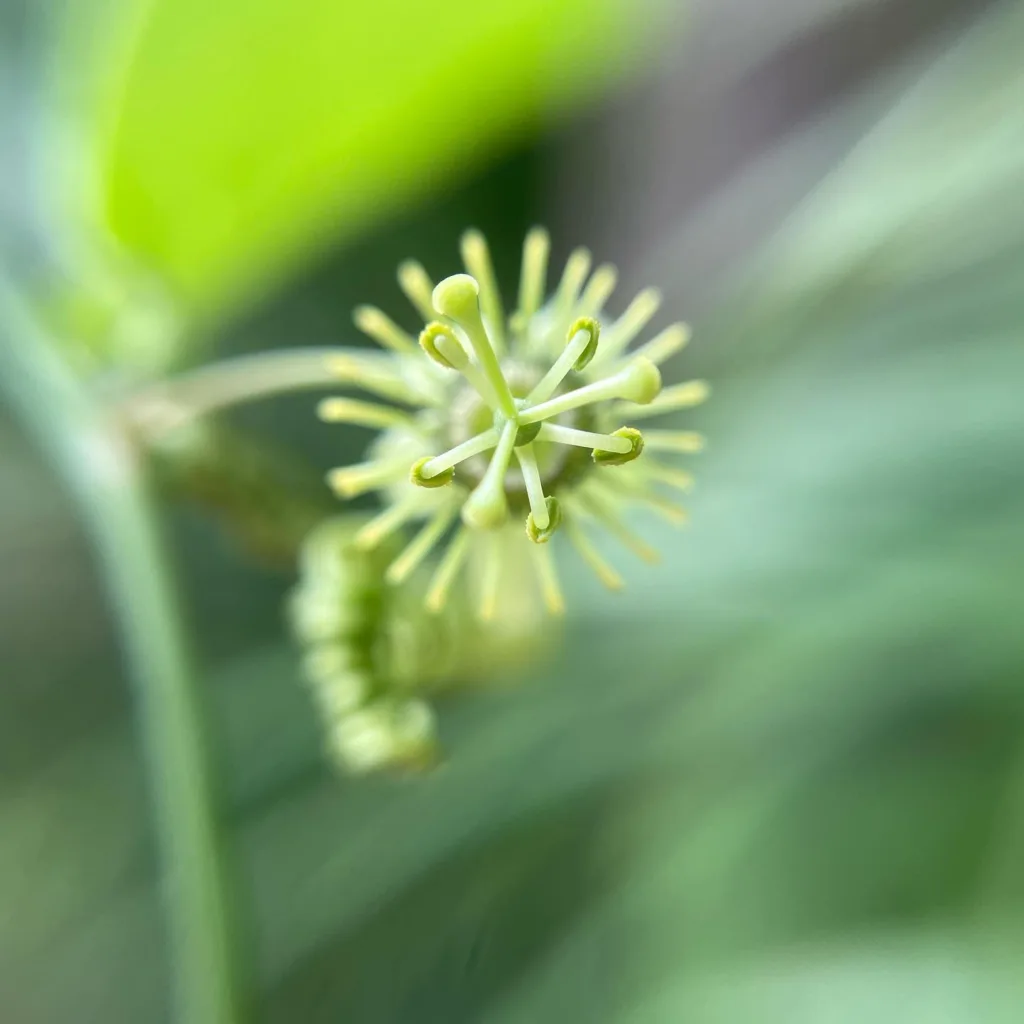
170,403
104,470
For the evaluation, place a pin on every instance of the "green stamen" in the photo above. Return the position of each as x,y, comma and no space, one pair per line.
474,446
477,260
416,283
383,330
440,343
420,546
631,323
385,524
457,297
578,344
376,373
534,273
585,439
487,507
601,569
598,290
362,414
550,588
448,570
679,396
638,382
534,486
685,442
664,345
351,481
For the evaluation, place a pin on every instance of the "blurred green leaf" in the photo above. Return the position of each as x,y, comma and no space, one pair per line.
245,132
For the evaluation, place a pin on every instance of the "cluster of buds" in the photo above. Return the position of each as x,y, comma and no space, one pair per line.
493,417
374,660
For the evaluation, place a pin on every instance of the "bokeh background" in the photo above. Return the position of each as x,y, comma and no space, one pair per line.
781,778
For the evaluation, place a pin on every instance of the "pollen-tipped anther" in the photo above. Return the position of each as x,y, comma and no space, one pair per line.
439,479
553,516
604,457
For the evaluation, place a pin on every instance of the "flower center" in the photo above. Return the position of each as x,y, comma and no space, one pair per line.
469,416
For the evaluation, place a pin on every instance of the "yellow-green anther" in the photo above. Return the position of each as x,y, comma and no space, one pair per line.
457,297
383,330
439,479
593,330
534,273
550,588
487,507
542,534
598,290
385,524
362,414
613,457
685,442
477,260
420,546
474,446
376,373
440,343
679,396
585,438
534,486
619,334
639,381
665,345
416,283
447,571
351,481
601,569
582,340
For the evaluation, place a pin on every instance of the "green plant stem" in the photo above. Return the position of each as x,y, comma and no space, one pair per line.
176,401
106,473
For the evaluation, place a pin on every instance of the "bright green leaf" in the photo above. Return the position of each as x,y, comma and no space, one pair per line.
244,133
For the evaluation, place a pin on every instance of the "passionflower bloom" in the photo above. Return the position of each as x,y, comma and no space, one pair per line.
503,431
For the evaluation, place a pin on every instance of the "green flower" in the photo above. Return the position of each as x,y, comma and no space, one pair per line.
497,417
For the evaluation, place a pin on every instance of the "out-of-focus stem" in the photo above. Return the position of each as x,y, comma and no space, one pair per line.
170,403
104,469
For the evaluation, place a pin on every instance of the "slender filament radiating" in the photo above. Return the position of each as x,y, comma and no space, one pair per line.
604,572
477,260
584,438
534,486
679,396
362,414
559,369
474,446
448,570
421,545
418,288
550,588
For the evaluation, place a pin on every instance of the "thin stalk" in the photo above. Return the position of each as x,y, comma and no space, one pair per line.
106,474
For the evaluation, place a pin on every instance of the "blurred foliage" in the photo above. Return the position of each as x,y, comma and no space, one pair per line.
782,780
236,135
